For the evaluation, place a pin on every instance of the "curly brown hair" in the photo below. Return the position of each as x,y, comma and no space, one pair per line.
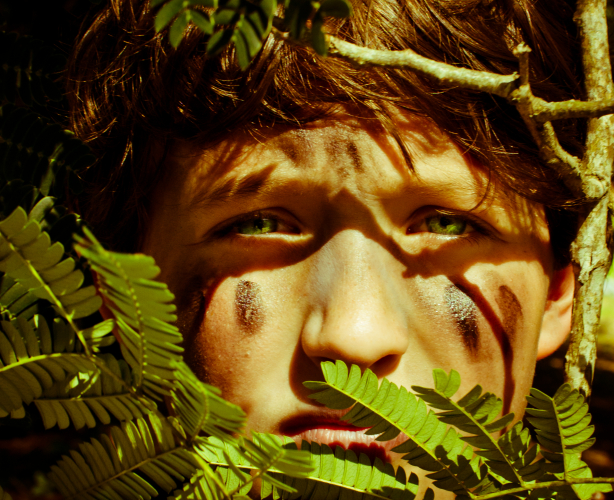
132,95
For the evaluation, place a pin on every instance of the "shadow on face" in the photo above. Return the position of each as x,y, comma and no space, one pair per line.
322,244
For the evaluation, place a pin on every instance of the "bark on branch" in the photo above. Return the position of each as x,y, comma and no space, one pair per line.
591,251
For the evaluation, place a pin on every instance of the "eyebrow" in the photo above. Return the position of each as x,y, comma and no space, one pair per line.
256,183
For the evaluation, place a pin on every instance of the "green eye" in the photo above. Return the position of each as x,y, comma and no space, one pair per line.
257,226
446,224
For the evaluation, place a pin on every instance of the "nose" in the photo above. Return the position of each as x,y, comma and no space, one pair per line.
357,314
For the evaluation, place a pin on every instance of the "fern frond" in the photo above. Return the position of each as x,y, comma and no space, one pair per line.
338,474
28,256
65,402
144,312
127,465
390,410
205,484
562,425
27,69
33,358
199,407
475,414
16,300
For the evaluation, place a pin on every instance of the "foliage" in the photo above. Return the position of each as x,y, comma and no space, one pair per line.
161,429
245,24
491,465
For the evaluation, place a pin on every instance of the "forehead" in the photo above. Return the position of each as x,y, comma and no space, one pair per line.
336,153
342,155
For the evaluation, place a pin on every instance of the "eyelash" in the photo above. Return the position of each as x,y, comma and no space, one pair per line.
227,229
481,230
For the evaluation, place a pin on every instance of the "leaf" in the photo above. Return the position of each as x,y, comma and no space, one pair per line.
167,13
115,467
241,49
30,69
107,395
218,41
318,40
252,39
4,495
338,473
33,359
28,257
178,28
336,8
226,15
474,414
203,22
144,314
297,14
563,427
200,408
37,152
390,410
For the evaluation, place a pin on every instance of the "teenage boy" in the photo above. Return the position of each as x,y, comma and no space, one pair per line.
305,210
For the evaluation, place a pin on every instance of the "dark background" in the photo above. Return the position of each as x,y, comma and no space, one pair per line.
25,447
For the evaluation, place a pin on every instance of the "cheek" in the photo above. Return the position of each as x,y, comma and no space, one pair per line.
215,344
240,345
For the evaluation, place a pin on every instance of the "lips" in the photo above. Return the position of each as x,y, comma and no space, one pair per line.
328,428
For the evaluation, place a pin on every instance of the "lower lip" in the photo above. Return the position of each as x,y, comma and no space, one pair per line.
349,438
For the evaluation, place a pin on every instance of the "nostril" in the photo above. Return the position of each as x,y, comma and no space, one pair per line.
386,365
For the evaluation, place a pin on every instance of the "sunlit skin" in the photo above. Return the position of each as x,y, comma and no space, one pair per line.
299,246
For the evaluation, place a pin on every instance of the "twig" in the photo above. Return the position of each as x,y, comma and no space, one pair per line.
501,85
543,133
550,148
544,111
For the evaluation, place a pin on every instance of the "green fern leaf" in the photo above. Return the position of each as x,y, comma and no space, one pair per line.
33,358
144,313
562,425
106,396
138,455
28,256
475,414
16,300
199,407
390,410
337,475
231,462
206,484
340,474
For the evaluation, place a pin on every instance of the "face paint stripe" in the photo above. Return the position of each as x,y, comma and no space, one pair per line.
248,306
510,309
501,329
464,312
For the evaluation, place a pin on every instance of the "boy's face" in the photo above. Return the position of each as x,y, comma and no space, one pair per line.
320,244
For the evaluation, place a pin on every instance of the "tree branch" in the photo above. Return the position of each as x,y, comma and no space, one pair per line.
591,255
544,111
501,85
550,148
